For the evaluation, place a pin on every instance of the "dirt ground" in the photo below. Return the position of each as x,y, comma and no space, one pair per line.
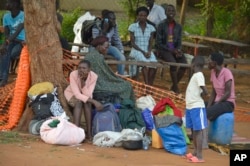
28,150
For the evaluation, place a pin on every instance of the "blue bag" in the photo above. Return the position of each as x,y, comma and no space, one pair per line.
148,119
173,139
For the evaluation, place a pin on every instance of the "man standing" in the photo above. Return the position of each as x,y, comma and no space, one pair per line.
13,23
156,12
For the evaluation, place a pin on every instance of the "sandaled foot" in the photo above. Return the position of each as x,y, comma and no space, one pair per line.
188,156
195,160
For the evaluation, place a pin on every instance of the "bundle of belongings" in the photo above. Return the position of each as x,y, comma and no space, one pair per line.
116,115
128,118
50,120
164,120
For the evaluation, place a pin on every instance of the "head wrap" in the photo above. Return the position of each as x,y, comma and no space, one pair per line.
218,58
99,40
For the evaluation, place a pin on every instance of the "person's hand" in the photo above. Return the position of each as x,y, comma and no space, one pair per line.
105,25
147,54
98,105
178,53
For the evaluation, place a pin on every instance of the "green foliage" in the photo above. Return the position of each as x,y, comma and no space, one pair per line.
223,21
230,21
2,12
69,20
194,26
123,25
130,7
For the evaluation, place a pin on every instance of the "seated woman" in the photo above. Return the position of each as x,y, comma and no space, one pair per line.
222,98
107,79
79,94
141,36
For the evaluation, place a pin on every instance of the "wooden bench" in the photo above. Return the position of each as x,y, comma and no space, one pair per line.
194,46
236,44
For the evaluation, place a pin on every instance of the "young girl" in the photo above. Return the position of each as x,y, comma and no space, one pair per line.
141,36
196,118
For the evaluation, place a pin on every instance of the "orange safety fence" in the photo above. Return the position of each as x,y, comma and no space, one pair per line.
12,106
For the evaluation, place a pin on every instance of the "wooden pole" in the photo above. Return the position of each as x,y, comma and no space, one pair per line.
183,11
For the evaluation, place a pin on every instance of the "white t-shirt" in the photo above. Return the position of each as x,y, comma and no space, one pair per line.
193,91
157,14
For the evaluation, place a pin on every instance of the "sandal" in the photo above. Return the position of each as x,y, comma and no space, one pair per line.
188,156
195,160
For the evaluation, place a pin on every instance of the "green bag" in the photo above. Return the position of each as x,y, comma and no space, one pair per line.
130,116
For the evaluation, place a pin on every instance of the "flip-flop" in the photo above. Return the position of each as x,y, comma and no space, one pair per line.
188,156
195,160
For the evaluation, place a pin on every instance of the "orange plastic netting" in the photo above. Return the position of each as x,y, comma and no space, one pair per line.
13,96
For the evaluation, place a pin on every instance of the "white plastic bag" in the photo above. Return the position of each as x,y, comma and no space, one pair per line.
145,102
107,139
66,133
77,29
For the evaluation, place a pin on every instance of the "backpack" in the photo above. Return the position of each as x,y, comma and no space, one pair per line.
86,32
106,120
41,106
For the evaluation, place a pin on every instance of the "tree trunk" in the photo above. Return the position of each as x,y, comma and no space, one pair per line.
210,18
42,27
183,11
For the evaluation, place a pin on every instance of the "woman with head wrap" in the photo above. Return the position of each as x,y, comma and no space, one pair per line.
222,98
107,79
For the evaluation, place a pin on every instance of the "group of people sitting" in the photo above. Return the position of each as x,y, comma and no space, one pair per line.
154,26
94,74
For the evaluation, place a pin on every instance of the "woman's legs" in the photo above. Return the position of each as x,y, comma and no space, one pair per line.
77,113
219,108
151,75
145,74
87,114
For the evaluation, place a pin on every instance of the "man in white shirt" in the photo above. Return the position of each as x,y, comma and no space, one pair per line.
157,12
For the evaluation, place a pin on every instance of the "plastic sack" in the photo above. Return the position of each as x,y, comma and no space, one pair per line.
145,102
63,133
173,139
40,88
148,119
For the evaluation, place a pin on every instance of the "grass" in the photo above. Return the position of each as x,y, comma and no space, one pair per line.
8,137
